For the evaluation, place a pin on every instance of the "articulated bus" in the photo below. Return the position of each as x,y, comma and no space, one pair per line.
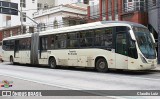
101,45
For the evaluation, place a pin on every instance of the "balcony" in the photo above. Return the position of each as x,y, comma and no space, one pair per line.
61,8
130,7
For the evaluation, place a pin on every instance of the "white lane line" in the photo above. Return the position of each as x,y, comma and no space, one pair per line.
114,75
63,86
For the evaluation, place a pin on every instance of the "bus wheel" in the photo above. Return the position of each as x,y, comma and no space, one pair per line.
101,65
52,63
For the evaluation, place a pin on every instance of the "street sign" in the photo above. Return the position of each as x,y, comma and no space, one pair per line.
8,8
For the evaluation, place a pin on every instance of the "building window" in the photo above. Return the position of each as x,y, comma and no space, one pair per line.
86,1
4,34
33,1
8,20
136,5
103,9
154,2
11,33
23,17
39,6
42,26
45,6
116,10
23,3
94,12
79,1
72,22
109,10
55,24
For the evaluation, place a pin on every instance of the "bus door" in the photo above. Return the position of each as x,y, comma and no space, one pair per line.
121,48
16,49
43,54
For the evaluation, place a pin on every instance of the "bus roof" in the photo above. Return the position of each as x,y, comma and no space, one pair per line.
18,36
87,26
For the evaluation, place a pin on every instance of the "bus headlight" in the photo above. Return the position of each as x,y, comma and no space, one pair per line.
143,59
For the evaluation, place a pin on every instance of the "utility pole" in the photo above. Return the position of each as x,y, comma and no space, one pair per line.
21,15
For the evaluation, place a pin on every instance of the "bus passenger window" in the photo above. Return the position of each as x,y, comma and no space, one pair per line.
86,38
61,41
72,40
51,41
99,37
103,38
44,43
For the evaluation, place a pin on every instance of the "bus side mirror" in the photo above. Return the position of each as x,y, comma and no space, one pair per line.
132,35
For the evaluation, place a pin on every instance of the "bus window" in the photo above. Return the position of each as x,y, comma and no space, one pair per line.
25,44
28,43
108,37
98,37
8,45
51,41
12,45
121,43
73,40
132,52
121,40
61,41
44,43
103,38
86,38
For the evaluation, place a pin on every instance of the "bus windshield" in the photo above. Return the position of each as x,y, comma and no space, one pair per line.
145,42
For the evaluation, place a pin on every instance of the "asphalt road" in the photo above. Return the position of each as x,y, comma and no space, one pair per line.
27,77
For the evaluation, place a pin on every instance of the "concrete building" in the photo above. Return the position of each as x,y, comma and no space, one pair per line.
11,24
61,16
126,10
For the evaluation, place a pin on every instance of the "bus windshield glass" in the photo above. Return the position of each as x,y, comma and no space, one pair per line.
145,42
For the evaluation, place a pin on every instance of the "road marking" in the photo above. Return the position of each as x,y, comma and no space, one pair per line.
63,86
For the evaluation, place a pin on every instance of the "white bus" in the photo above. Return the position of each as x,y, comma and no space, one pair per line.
101,45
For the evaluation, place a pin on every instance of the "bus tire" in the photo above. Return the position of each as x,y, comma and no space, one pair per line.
52,63
101,65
